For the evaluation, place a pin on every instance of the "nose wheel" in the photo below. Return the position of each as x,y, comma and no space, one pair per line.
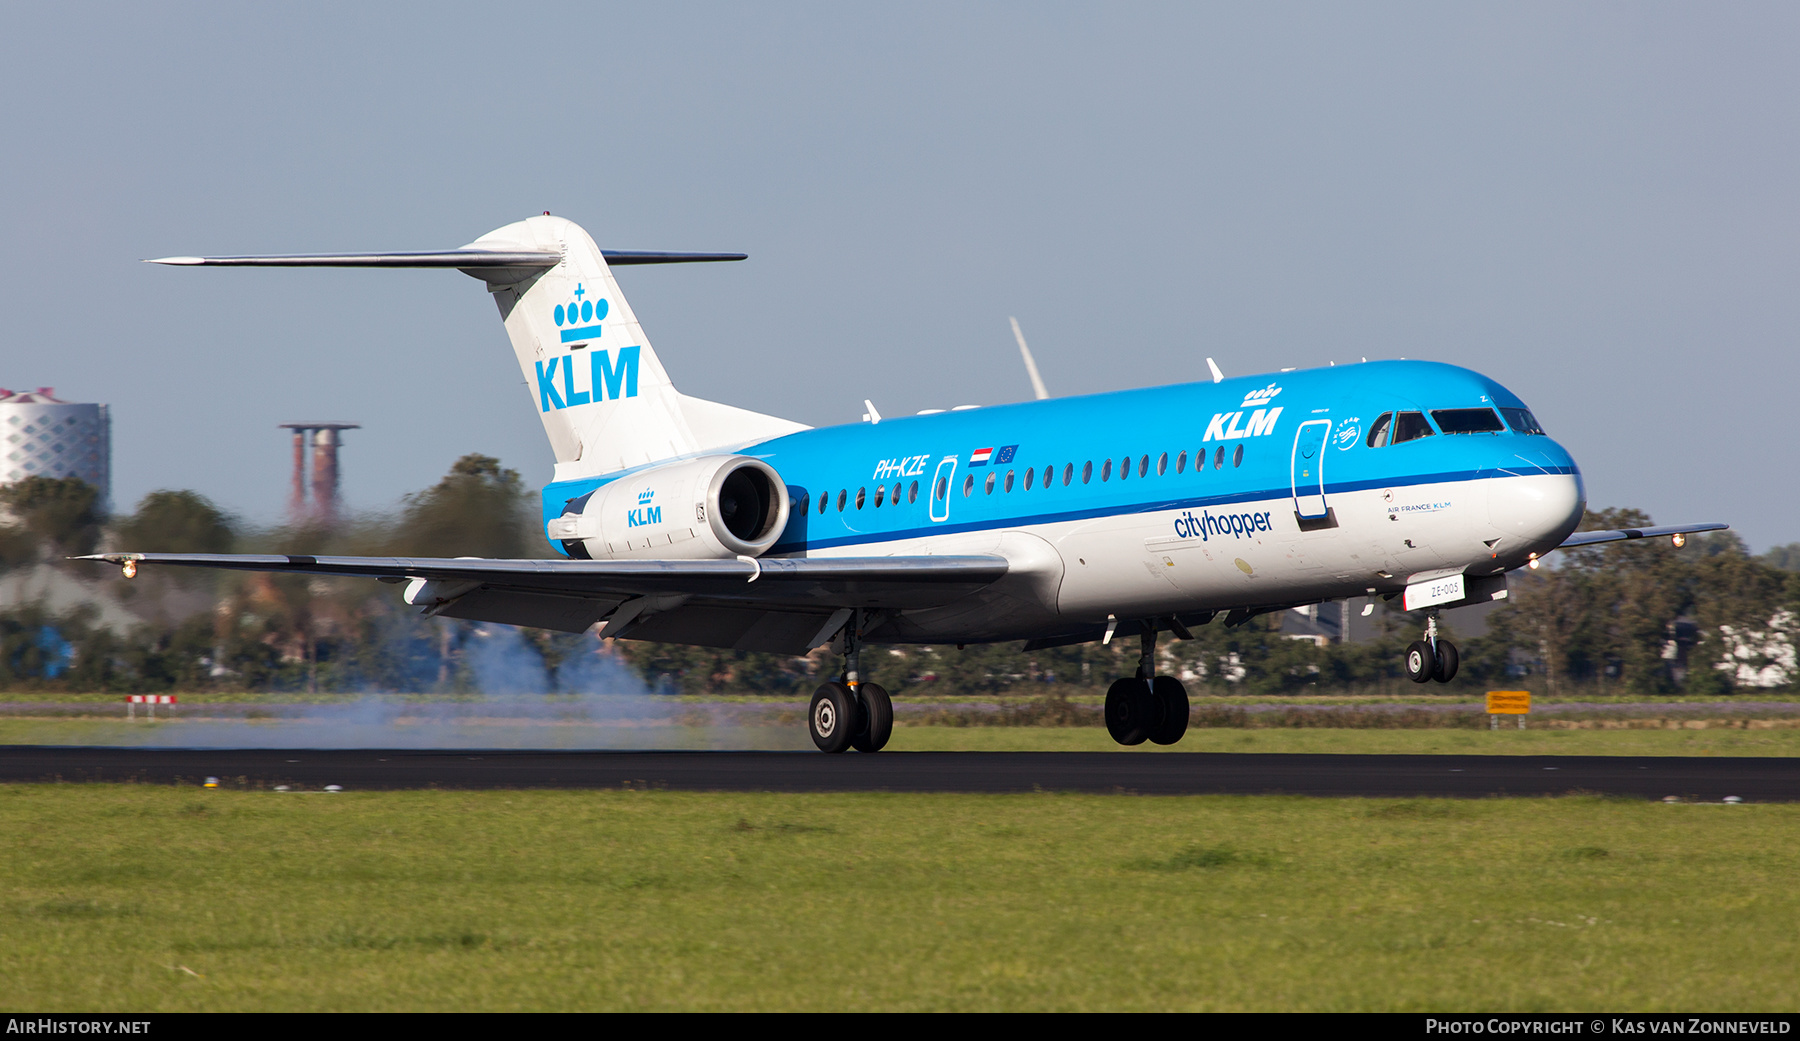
1432,658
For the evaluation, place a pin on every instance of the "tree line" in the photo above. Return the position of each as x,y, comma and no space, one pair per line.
1620,618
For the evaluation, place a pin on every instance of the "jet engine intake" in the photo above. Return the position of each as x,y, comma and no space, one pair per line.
711,507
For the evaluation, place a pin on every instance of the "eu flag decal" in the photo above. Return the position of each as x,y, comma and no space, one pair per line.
1005,455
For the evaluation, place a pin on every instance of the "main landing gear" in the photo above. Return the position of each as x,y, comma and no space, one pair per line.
1431,658
851,713
1147,706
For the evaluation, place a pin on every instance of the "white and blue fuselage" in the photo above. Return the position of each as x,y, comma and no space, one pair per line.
1260,492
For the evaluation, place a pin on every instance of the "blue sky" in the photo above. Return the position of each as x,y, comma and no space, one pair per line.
1593,203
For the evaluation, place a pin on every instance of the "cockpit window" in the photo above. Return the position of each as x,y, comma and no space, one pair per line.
1379,430
1411,425
1467,420
1521,420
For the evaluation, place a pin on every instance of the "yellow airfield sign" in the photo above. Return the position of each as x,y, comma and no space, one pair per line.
1508,702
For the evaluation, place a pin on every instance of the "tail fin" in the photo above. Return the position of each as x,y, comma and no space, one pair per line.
605,399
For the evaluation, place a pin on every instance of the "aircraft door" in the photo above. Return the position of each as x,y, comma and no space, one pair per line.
940,488
1308,468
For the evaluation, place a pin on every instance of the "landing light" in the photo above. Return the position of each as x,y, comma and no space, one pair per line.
1680,540
1534,562
130,569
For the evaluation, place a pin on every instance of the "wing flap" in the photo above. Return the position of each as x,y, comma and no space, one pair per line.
563,613
738,628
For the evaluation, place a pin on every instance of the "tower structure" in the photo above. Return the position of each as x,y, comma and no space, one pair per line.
324,440
44,436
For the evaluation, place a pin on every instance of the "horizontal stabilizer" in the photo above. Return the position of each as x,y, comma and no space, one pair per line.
1589,538
462,259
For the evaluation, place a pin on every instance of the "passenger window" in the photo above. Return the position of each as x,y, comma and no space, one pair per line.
1068,474
1162,464
990,483
1237,457
824,501
1049,472
895,498
1521,420
943,487
843,497
1087,471
1030,475
1409,426
1009,479
1181,462
968,485
1144,465
912,493
1467,420
880,495
1379,430
1105,471
1219,458
860,496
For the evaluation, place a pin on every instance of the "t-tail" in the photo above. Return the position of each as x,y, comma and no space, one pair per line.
605,399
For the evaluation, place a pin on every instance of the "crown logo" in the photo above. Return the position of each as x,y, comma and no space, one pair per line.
1258,398
579,318
646,496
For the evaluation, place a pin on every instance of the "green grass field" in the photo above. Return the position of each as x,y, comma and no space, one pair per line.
151,898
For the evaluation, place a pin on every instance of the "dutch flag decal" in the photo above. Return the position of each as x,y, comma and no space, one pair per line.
980,456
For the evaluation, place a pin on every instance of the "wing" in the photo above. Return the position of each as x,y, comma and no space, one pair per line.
787,605
1589,538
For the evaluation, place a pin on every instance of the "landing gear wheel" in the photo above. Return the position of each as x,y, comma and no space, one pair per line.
878,712
1447,662
1130,711
833,717
1172,698
1421,664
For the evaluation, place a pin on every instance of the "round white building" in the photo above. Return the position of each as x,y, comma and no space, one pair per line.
42,436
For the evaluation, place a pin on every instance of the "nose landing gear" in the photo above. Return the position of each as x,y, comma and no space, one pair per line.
851,713
1431,658
1147,706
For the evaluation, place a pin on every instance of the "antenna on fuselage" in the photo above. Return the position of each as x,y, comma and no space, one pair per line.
1037,382
1218,377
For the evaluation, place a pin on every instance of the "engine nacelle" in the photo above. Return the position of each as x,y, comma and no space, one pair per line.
714,507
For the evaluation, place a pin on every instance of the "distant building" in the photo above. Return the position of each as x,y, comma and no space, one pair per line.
42,436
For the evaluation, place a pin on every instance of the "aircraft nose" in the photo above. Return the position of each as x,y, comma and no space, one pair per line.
1535,512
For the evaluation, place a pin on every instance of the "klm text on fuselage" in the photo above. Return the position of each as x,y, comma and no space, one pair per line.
605,381
1224,426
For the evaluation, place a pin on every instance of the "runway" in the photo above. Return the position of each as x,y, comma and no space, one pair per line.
1709,779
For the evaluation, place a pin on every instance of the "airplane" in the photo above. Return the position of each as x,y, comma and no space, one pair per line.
1060,521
